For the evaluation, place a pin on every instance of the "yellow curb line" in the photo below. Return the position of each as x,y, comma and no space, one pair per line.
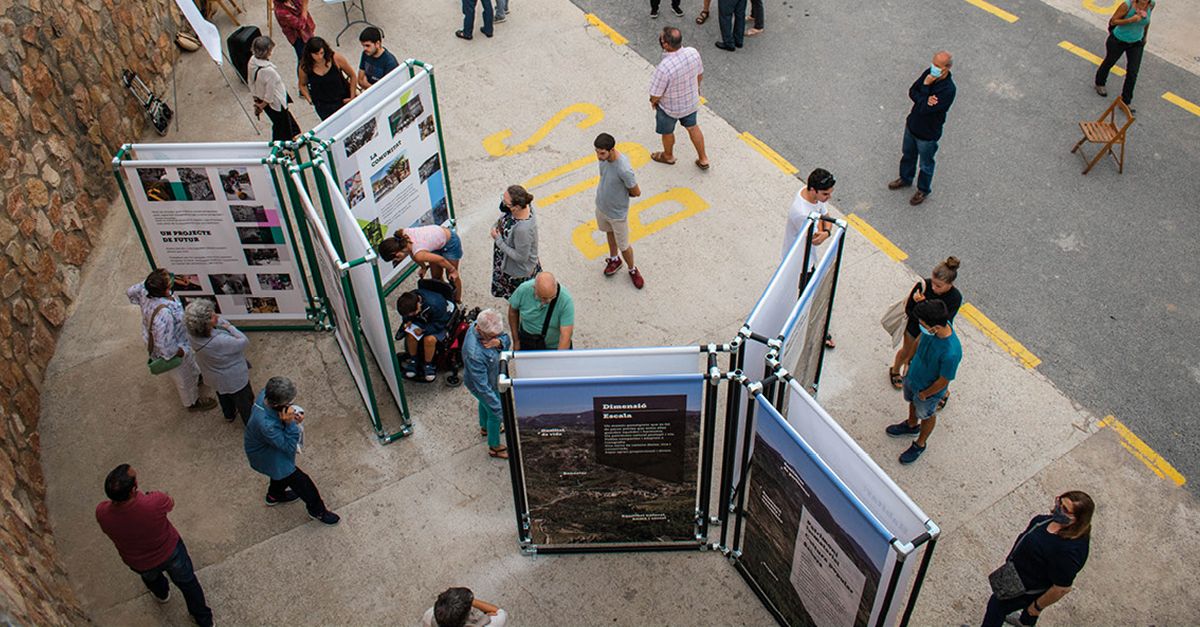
1087,56
771,155
994,10
876,238
1142,451
1183,103
612,34
997,335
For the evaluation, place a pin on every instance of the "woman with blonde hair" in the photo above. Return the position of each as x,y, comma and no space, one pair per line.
939,286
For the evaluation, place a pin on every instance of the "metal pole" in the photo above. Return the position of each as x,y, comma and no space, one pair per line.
742,482
912,598
891,592
732,401
515,470
837,271
235,97
710,423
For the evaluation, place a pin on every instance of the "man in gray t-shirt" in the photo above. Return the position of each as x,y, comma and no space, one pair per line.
617,186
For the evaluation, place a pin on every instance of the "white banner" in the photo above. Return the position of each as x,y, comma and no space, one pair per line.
803,335
604,363
220,227
387,160
368,294
205,30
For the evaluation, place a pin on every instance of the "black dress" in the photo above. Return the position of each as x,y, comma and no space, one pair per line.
328,91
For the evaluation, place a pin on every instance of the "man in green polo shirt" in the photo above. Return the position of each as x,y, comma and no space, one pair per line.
527,309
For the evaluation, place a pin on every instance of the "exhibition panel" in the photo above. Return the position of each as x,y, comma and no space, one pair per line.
387,158
802,342
214,217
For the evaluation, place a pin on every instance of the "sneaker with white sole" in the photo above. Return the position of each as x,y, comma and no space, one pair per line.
636,277
612,264
162,599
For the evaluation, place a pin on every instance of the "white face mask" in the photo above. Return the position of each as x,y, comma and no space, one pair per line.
925,331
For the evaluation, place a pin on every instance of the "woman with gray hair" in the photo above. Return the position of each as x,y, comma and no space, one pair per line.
220,350
270,94
484,342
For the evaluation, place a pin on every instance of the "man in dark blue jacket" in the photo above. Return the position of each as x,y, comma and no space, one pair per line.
426,316
932,94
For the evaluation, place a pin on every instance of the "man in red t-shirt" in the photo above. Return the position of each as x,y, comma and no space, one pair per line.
148,543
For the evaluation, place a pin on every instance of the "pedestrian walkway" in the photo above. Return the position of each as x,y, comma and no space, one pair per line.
433,510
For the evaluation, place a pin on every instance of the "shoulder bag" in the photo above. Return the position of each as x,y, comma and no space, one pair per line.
531,342
894,319
1006,581
158,365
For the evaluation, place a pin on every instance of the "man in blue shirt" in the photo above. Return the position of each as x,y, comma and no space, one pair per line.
375,61
929,374
484,342
271,440
932,94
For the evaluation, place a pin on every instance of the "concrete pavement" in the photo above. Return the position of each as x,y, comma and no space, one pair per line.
432,510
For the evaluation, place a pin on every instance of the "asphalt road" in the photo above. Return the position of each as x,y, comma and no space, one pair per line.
1096,275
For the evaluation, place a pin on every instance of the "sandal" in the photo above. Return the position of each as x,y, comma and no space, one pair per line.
702,18
498,453
942,403
897,379
462,35
661,158
702,166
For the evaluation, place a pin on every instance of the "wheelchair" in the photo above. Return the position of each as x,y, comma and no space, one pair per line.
448,355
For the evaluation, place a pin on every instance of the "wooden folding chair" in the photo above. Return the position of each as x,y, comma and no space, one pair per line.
1105,131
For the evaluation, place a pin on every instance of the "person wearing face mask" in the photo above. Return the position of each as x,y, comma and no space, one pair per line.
933,367
932,94
939,287
1047,557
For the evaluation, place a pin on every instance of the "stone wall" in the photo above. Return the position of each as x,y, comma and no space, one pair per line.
63,114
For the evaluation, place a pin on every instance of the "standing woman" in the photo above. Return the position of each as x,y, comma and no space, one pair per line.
515,253
266,85
940,286
1047,557
1127,29
432,247
220,350
296,23
326,78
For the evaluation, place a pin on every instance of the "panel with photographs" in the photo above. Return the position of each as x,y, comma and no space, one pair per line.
220,231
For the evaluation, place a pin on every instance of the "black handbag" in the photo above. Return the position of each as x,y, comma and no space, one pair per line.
531,342
1006,581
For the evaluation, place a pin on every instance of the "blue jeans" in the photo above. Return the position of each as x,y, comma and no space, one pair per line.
731,17
664,124
468,7
914,148
501,8
179,568
490,421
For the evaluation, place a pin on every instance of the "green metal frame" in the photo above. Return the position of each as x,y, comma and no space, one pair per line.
118,161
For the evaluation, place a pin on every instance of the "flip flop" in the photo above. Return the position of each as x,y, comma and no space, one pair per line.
702,166
702,18
897,379
498,453
661,158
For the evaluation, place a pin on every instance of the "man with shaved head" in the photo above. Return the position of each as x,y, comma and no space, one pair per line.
541,314
932,94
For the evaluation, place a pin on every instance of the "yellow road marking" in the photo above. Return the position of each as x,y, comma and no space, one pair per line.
495,144
1091,5
994,10
771,155
1185,104
606,29
585,234
877,238
703,100
638,157
1142,451
997,335
1087,56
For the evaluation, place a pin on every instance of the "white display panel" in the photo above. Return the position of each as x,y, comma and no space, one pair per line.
219,226
387,161
604,363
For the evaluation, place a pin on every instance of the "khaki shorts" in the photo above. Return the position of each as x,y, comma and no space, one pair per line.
619,229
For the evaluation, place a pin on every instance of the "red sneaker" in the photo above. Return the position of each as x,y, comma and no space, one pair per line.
614,264
636,276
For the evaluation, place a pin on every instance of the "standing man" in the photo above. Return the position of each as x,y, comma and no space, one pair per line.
468,29
541,313
812,198
617,185
147,542
929,374
166,336
296,23
271,440
932,94
675,96
482,345
731,16
376,61
654,4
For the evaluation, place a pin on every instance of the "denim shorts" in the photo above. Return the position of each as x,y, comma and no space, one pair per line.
665,124
924,408
452,251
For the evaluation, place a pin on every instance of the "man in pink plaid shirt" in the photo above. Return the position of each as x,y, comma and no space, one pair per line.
675,96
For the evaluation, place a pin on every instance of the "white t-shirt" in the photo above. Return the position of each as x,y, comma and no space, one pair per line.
799,212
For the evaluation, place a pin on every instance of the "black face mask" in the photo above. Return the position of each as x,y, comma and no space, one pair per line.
1060,515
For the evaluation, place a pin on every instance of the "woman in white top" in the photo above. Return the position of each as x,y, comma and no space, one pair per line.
269,93
432,247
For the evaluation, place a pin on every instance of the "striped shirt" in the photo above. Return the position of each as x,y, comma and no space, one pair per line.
676,82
